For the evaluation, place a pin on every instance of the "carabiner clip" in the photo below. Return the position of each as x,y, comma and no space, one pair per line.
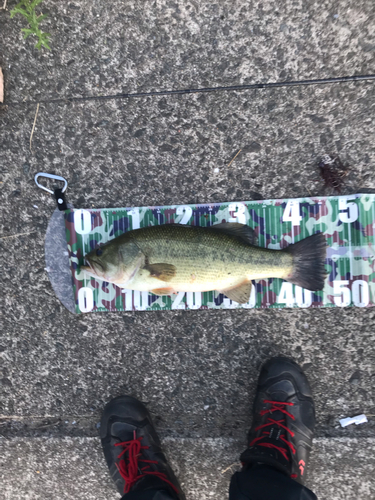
58,192
50,176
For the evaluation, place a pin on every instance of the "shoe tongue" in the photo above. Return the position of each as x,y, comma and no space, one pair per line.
279,416
280,444
123,431
276,430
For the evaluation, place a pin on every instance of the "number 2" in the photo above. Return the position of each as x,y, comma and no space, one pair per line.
187,211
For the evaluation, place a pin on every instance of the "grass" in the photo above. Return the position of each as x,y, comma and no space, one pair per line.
26,8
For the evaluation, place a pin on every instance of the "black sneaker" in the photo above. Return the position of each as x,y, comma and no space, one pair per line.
284,418
133,450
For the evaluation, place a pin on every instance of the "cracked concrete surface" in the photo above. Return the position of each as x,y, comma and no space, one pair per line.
195,370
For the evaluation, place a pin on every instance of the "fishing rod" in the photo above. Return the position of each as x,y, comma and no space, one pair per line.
156,93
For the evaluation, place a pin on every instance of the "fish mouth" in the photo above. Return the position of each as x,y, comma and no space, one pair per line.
89,269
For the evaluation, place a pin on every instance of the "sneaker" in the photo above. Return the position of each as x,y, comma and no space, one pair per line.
133,451
284,418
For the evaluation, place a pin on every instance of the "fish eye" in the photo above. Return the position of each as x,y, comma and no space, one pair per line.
99,252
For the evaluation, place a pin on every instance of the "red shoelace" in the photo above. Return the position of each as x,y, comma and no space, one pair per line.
276,406
129,467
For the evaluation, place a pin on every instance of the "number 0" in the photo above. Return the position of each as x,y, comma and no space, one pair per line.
82,221
85,299
360,292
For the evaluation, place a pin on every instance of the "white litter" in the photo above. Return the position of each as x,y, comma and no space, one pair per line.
35,206
216,170
359,419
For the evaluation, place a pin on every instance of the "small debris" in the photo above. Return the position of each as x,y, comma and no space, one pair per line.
98,425
32,131
235,464
1,86
234,158
15,235
35,206
332,172
216,170
359,419
206,407
355,378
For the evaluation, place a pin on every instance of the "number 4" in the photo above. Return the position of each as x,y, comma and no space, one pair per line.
291,213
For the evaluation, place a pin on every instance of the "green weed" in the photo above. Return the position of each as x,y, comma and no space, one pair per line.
27,9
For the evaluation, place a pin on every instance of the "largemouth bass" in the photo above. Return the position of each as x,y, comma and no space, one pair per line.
176,258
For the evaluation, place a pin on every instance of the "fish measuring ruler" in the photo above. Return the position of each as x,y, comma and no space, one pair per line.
347,222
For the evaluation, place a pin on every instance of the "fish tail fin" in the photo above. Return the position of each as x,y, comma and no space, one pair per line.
309,262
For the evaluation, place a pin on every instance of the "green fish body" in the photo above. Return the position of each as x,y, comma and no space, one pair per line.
177,258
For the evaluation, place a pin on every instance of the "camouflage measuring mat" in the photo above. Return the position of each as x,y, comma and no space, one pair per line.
348,223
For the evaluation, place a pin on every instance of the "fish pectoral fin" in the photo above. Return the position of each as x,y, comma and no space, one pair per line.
243,231
162,272
162,291
240,293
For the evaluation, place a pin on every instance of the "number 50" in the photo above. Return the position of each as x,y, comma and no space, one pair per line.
359,294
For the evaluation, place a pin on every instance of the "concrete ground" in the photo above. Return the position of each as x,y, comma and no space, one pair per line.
195,370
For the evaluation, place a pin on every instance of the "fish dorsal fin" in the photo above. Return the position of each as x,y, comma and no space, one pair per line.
240,294
243,231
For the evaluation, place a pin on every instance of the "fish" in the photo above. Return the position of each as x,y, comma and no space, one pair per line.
173,258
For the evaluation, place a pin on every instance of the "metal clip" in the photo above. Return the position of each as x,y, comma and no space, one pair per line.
58,192
50,176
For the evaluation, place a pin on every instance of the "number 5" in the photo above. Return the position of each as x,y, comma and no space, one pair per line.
342,292
348,210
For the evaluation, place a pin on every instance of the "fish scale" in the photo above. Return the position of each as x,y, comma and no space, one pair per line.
216,259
